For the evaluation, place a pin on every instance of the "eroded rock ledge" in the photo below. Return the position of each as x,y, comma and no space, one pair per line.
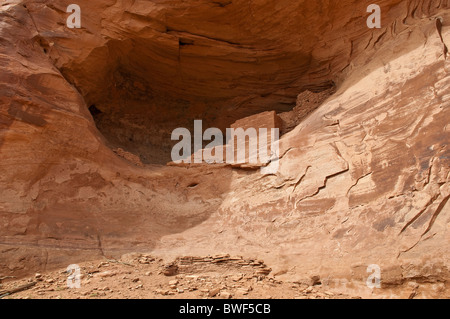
364,179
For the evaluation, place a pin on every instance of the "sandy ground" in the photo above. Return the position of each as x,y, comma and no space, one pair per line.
141,276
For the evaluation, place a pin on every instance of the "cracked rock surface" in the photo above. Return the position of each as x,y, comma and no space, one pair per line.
86,116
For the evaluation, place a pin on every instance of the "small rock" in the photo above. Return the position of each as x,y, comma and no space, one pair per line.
225,295
243,291
315,280
213,292
173,282
170,269
106,274
163,292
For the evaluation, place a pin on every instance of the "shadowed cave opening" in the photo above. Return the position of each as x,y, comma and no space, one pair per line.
144,129
138,92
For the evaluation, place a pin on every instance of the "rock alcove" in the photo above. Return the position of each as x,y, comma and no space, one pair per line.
146,90
363,179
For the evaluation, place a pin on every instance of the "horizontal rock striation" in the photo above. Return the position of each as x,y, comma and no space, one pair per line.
364,172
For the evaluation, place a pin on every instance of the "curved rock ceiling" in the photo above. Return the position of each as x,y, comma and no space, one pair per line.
363,179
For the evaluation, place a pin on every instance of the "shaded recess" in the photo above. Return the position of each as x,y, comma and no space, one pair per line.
151,69
139,90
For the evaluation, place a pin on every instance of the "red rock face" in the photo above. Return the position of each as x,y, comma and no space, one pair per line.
86,116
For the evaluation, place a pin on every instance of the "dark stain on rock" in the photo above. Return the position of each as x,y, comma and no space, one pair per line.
16,111
383,224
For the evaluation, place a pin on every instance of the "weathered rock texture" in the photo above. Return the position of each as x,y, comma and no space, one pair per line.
364,179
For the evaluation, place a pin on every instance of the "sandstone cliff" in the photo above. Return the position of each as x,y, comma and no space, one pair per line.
363,179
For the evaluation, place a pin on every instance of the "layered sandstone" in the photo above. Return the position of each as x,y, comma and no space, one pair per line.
363,179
